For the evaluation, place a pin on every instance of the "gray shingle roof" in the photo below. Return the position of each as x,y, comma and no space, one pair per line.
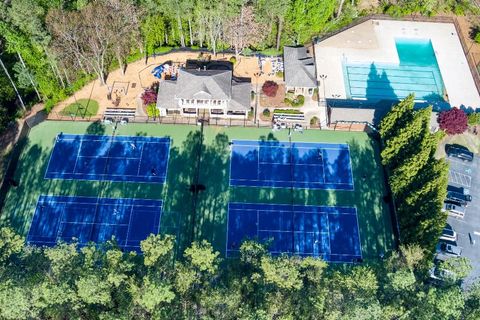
240,96
299,68
204,84
166,94
209,84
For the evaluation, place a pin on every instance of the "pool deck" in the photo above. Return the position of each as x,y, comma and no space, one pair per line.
374,41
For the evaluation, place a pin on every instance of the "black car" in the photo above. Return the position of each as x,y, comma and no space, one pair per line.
459,152
461,198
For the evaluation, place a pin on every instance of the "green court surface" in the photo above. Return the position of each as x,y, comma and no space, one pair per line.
203,217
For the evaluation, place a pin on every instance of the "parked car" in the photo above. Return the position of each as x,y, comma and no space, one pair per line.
439,274
283,125
461,198
298,127
449,249
448,234
458,151
454,208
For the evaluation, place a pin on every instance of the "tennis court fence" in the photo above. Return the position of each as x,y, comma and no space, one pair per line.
220,122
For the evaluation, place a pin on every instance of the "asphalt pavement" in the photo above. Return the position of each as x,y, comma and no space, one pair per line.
466,175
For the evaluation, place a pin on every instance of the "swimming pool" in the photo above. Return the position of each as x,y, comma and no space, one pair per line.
417,73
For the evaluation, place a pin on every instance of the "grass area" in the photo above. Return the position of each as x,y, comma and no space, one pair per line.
209,220
466,139
82,108
271,52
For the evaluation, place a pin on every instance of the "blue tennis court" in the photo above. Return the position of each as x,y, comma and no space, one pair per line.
328,232
299,165
114,158
89,219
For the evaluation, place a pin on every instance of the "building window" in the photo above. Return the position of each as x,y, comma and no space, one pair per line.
189,110
236,113
216,111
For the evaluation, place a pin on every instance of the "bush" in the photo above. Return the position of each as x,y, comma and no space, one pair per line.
152,110
453,121
474,118
279,74
252,95
477,37
233,60
314,121
287,111
270,88
49,104
266,113
149,96
298,101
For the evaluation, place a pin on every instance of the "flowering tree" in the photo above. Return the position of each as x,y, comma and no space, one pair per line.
270,88
149,97
453,121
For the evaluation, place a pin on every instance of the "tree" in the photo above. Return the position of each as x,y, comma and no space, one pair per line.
453,121
417,179
270,88
243,31
149,96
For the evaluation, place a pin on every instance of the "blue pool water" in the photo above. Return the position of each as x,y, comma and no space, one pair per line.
416,73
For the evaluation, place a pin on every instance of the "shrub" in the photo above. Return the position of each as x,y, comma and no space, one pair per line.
314,121
298,101
279,74
270,88
477,37
49,104
233,60
149,96
453,121
266,113
252,95
152,110
287,111
474,118
154,86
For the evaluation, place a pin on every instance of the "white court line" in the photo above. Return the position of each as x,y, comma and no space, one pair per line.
290,181
289,164
110,157
329,242
142,139
289,205
140,162
94,223
290,231
101,175
327,229
129,224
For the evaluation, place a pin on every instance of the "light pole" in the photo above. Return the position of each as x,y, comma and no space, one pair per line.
324,77
256,75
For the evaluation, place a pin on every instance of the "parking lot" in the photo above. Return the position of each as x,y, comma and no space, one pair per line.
466,175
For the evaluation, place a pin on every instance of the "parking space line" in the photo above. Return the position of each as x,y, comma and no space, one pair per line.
460,178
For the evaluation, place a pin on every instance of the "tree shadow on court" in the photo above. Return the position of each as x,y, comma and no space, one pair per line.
213,202
370,198
24,191
178,212
96,127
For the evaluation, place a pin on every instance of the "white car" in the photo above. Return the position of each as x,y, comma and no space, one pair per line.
448,234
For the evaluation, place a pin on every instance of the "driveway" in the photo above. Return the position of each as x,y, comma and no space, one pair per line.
467,176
